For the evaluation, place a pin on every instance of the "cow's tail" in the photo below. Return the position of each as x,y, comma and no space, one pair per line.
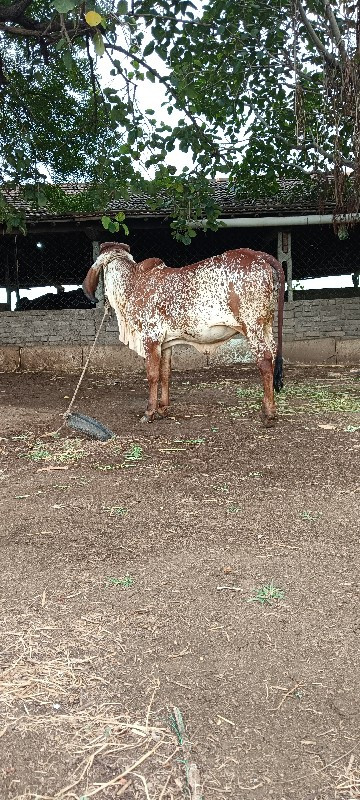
278,366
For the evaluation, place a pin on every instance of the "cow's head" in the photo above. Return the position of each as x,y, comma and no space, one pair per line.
92,278
105,247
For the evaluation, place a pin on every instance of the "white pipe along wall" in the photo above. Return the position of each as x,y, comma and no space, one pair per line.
278,222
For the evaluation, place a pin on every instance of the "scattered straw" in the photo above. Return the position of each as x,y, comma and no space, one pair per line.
102,751
289,693
192,772
344,755
348,784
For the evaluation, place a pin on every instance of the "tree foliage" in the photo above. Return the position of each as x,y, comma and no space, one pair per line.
251,89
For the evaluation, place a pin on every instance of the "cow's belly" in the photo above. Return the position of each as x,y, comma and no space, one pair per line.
205,340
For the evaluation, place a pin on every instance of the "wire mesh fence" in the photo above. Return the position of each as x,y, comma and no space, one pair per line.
319,251
57,261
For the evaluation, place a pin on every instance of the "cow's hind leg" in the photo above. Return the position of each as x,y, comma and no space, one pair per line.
260,341
152,363
165,372
266,367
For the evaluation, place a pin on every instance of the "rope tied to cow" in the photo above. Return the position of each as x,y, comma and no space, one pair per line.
107,310
80,421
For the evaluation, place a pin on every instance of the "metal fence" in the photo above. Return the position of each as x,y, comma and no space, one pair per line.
61,259
319,251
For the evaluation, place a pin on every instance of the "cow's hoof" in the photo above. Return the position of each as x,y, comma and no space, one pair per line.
160,414
147,418
269,421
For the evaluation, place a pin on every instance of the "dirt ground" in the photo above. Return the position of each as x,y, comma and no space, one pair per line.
204,564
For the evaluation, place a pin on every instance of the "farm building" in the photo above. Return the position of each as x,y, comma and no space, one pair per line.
320,326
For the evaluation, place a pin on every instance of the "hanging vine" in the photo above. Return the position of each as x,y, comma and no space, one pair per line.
337,44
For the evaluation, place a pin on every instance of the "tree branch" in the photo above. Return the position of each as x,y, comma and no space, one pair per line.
21,32
169,88
314,37
314,145
3,78
344,162
93,82
13,12
50,30
335,30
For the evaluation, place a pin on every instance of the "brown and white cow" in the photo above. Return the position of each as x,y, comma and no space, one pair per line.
204,304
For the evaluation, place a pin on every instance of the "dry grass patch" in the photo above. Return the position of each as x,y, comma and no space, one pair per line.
348,784
51,710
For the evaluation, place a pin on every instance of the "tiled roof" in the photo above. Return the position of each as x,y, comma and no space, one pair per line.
292,199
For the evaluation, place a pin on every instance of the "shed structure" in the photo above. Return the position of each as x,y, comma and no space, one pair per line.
321,326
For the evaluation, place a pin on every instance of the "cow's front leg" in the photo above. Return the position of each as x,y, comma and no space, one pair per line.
266,367
152,362
165,372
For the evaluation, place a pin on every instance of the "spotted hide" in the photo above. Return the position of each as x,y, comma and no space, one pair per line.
204,304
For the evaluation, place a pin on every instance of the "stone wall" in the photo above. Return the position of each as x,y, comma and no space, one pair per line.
312,319
322,331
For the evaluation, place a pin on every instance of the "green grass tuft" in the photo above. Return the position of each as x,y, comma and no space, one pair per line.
300,399
267,594
125,582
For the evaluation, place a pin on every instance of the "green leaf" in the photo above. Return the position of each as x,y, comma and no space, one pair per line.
149,49
125,229
63,6
151,77
61,45
68,59
105,222
99,44
120,216
122,7
162,53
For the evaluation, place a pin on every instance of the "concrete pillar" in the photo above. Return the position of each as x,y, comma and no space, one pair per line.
95,250
284,256
8,283
100,292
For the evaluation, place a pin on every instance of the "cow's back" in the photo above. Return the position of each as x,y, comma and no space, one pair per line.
208,288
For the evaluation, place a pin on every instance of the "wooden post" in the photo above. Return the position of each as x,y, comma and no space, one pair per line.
100,292
284,256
